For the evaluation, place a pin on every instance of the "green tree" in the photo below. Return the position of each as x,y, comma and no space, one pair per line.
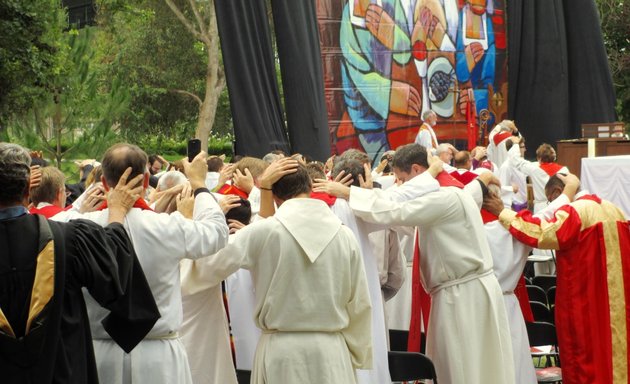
614,15
29,40
165,68
78,112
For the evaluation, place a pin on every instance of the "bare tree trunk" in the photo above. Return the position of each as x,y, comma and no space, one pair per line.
57,129
208,34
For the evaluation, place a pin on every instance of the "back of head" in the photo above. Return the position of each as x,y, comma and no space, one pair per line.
15,171
53,180
354,154
242,213
256,166
410,154
426,114
315,170
271,157
171,179
442,148
118,158
462,160
545,153
292,184
554,183
215,163
349,166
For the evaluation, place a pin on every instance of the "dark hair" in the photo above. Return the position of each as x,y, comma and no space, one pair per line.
354,154
39,161
292,184
553,182
315,170
214,164
118,158
350,166
242,213
544,153
410,154
15,172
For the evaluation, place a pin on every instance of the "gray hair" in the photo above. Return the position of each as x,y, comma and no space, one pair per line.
426,114
15,171
271,157
442,148
171,179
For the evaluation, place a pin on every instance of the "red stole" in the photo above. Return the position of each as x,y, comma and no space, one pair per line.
140,203
465,177
550,168
48,211
228,189
499,137
420,299
326,198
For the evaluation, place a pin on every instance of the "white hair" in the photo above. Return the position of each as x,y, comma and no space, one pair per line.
171,179
441,148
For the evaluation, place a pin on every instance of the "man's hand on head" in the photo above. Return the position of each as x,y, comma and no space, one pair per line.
185,203
493,204
243,181
436,165
196,170
121,198
488,178
571,184
366,183
276,170
36,176
333,188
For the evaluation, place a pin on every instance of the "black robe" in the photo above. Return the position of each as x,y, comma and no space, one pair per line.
57,346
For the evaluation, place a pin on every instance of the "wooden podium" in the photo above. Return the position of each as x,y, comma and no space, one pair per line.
571,152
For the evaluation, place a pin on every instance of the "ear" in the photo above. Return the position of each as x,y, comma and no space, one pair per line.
104,183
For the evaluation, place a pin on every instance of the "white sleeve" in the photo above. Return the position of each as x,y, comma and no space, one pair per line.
416,187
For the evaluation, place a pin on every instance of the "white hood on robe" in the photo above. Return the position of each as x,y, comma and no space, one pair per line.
297,216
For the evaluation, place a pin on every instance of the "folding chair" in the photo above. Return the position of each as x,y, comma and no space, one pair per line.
551,296
541,312
536,293
398,339
243,376
410,366
544,334
544,281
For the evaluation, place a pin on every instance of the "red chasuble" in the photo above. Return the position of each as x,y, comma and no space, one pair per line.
593,288
48,211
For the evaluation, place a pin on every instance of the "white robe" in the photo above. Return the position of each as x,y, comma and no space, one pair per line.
161,241
468,337
205,330
312,299
509,257
241,301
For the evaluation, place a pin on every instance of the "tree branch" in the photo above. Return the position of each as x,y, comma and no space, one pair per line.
202,25
183,92
189,26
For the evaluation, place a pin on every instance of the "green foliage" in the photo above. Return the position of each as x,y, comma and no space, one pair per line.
173,148
30,34
78,111
614,15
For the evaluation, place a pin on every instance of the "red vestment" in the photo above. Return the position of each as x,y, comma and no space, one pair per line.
593,288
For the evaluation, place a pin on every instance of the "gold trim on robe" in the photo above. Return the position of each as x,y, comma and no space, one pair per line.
43,284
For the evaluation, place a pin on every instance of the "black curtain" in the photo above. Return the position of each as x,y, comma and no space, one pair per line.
297,39
250,71
558,69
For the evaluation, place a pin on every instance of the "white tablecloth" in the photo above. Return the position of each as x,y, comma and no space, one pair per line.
609,178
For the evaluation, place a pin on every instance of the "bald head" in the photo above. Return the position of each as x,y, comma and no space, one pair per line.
462,160
118,158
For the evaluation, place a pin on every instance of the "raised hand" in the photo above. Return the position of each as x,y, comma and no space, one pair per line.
276,170
243,181
228,202
121,198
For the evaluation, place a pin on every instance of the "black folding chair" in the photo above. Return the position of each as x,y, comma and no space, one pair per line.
551,296
243,376
398,339
544,281
541,312
544,334
410,366
536,293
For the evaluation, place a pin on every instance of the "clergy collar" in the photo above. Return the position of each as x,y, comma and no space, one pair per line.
12,212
